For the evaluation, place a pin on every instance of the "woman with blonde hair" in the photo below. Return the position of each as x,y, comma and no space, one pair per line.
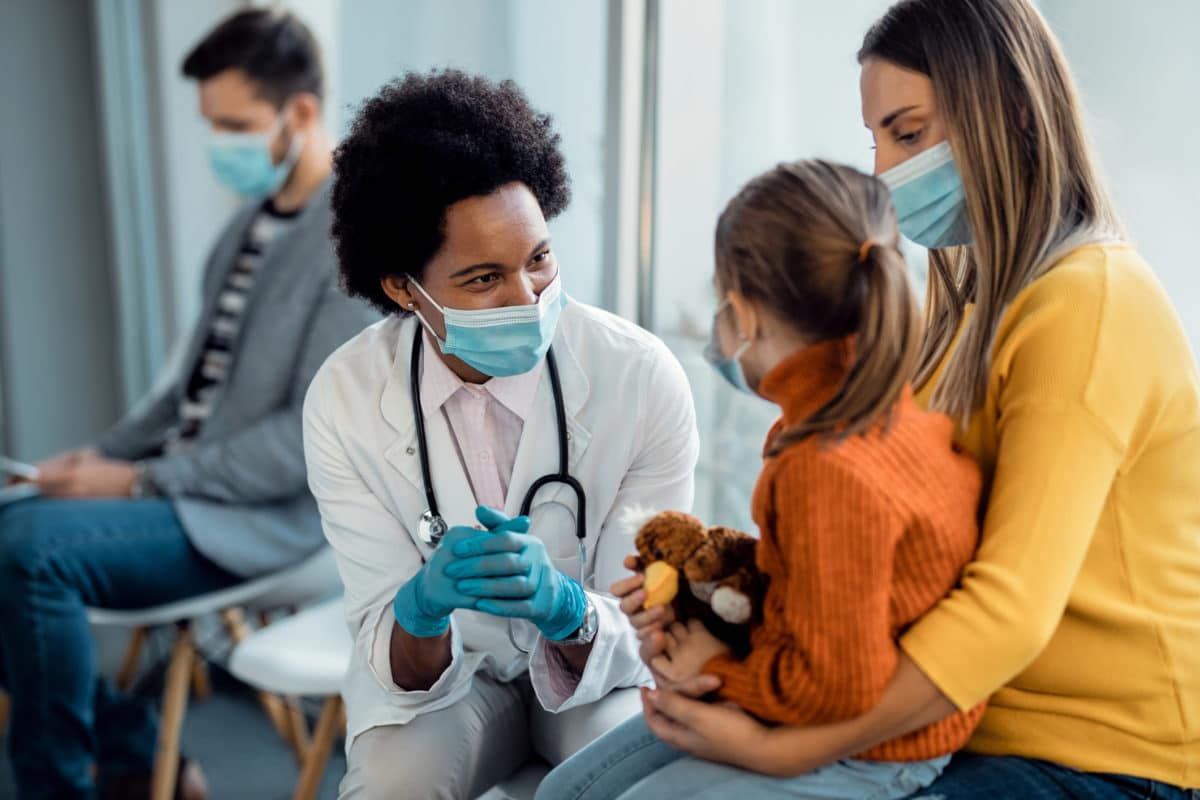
1052,344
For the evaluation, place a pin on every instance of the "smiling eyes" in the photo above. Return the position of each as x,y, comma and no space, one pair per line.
537,263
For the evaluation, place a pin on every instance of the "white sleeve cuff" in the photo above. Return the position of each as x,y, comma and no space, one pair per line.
380,660
612,664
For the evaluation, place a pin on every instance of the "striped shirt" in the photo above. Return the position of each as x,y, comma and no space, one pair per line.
212,368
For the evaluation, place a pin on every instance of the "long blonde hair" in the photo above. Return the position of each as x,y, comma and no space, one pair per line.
817,243
1033,192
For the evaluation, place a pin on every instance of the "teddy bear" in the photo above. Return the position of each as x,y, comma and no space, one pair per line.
721,585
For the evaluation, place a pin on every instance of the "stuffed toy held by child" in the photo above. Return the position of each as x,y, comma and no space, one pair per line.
704,573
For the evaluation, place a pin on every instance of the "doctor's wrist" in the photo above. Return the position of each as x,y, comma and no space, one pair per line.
412,616
569,615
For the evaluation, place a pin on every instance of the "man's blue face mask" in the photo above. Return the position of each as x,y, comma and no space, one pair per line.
928,194
504,341
243,163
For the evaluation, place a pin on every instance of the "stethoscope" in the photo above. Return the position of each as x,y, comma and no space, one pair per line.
433,527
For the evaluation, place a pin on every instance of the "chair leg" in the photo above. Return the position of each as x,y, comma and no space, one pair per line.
328,726
201,686
175,698
235,624
297,729
133,658
4,707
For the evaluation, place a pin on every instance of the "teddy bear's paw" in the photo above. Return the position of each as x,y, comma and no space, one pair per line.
731,605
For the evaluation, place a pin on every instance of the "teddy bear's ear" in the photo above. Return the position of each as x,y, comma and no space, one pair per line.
633,518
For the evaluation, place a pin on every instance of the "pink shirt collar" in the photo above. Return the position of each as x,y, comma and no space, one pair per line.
439,384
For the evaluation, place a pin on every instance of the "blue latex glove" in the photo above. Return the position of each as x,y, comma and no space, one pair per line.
423,604
511,575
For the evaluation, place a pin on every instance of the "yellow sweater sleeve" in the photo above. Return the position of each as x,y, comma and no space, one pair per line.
1059,402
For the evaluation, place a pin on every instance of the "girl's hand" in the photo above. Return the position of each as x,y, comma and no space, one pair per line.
688,649
650,623
651,626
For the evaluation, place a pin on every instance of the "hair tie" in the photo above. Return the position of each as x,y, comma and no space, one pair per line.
865,250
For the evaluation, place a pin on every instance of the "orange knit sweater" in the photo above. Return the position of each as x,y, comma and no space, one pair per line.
860,538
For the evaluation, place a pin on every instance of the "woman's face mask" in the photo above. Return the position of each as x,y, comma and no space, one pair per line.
900,109
505,341
928,194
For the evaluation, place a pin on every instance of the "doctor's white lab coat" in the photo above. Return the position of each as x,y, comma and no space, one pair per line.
632,444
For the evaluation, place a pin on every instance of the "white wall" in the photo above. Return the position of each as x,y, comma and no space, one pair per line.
555,51
57,333
743,86
1138,68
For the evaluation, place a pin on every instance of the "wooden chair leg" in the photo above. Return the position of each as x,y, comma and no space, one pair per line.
132,660
201,686
4,709
328,726
235,624
174,706
297,729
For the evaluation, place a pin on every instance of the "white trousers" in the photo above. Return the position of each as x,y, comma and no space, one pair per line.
460,752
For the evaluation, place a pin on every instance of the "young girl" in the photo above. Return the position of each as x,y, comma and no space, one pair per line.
867,512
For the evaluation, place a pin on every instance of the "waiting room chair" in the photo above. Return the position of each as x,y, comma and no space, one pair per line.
307,655
311,580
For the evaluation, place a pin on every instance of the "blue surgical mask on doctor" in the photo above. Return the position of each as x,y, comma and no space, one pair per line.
504,341
728,367
243,162
928,194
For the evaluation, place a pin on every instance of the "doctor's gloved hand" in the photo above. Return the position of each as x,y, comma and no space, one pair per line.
423,604
510,573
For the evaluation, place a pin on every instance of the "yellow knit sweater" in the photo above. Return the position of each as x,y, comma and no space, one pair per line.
1081,611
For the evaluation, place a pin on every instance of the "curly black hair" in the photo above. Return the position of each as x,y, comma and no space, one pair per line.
425,142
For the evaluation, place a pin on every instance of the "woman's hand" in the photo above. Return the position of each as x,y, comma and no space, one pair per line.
727,734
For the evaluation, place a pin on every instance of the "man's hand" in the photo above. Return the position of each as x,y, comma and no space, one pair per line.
688,648
84,473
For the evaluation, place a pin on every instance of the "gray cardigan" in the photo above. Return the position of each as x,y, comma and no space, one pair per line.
240,491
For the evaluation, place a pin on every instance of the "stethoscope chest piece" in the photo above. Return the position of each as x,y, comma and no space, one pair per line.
432,528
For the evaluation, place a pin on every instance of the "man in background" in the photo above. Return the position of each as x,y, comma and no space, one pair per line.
203,484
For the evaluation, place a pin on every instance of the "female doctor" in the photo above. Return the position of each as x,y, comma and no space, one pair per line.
472,453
